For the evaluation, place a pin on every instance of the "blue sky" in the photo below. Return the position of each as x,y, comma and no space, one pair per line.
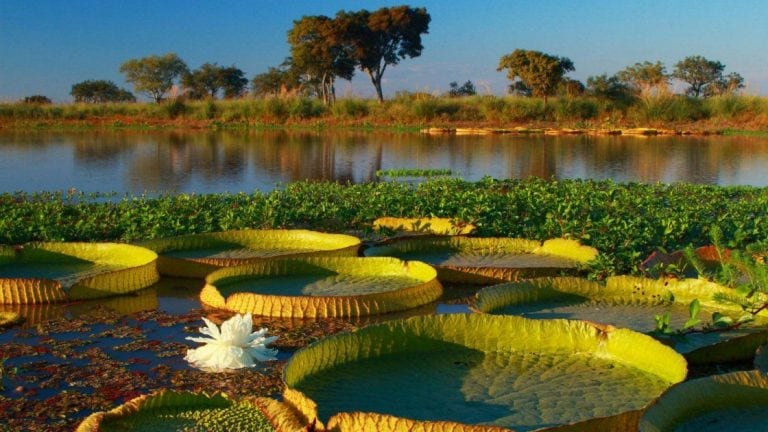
48,45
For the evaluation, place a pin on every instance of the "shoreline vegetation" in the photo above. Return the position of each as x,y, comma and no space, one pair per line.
659,114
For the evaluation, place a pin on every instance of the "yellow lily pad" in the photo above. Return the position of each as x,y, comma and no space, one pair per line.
197,255
322,287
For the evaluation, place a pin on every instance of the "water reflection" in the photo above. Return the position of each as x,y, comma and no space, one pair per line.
182,161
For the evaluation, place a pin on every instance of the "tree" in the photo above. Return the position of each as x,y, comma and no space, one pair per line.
570,87
729,84
466,89
277,80
319,51
203,82
233,82
537,71
608,88
154,75
37,99
210,78
382,38
643,78
100,91
700,73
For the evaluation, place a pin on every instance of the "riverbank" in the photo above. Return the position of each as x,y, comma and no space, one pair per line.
407,111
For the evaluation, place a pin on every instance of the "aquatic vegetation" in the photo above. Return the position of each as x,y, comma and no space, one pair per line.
197,255
480,369
732,401
235,346
322,287
488,260
633,302
601,214
169,410
52,272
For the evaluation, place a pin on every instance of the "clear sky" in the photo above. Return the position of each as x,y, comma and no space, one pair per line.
48,45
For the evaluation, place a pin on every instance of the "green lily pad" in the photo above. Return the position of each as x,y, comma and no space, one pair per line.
198,255
632,303
474,369
322,287
735,401
52,272
489,260
170,410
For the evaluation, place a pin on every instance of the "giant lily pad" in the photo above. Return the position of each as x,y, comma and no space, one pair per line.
198,255
439,226
322,287
489,260
735,401
51,272
630,302
494,371
169,410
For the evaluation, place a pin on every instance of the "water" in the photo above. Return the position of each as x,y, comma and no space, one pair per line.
205,162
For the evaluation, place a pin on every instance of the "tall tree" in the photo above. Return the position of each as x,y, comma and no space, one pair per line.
154,75
210,79
318,51
608,88
643,78
233,82
202,83
539,72
699,72
100,91
728,84
382,38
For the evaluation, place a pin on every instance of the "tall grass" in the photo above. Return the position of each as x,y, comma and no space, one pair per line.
416,109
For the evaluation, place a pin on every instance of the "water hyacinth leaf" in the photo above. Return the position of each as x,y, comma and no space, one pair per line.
479,370
735,401
322,287
439,226
51,272
488,260
198,255
637,303
170,410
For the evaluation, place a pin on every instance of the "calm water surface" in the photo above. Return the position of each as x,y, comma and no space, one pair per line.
203,162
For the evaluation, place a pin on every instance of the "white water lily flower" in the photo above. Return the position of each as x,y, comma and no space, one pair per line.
234,347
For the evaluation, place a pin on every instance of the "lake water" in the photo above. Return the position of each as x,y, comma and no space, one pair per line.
203,162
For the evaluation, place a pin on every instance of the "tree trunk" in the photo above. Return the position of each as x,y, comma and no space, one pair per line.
376,80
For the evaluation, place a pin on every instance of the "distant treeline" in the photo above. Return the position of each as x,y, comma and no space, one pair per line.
324,49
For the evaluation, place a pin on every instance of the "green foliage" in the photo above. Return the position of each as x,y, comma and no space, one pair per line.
466,89
700,73
413,172
383,37
602,214
36,100
643,78
541,73
154,75
100,91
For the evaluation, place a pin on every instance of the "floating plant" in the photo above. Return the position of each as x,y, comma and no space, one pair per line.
322,287
198,255
480,372
489,260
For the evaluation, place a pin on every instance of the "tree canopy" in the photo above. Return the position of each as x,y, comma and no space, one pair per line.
320,53
705,77
100,91
537,72
608,88
383,37
283,79
466,89
210,79
643,78
154,75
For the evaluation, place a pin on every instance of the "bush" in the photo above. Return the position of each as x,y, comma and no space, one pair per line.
37,99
